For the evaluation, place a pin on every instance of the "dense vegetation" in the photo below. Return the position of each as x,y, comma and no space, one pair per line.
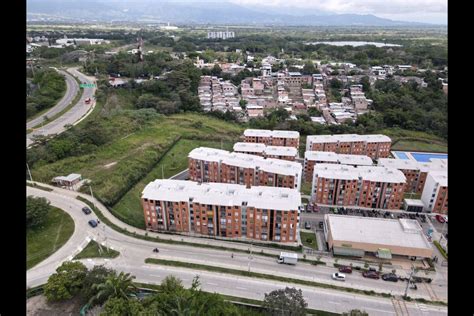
46,88
36,211
117,293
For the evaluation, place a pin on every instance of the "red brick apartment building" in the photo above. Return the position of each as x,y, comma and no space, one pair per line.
415,172
435,193
311,158
365,186
272,138
214,165
223,210
374,146
277,152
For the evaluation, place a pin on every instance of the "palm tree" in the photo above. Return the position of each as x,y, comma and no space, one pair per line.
120,286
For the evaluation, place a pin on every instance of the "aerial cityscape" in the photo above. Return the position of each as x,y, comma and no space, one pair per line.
239,157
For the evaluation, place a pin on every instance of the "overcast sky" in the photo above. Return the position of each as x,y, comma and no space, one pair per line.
428,11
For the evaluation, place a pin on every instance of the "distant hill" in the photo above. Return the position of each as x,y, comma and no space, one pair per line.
186,12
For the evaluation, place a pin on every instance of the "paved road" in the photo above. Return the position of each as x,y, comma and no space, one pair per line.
183,175
73,116
72,88
317,298
134,251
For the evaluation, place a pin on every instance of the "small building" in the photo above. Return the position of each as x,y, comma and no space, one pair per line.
359,236
68,181
412,205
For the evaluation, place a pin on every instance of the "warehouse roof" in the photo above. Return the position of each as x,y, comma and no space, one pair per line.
224,194
372,230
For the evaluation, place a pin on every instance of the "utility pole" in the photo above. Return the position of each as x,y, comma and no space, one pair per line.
29,172
442,232
162,172
409,279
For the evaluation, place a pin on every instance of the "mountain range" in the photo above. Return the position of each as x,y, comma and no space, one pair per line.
192,12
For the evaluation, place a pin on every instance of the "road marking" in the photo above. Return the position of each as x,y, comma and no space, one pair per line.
380,310
211,283
240,288
155,275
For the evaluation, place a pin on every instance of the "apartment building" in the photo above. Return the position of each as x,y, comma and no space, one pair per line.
223,35
312,158
435,193
277,152
272,138
215,165
374,146
222,210
365,186
415,172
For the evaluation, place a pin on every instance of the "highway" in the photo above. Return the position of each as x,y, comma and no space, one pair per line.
134,251
71,117
72,88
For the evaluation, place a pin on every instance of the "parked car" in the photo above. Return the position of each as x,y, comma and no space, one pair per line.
440,218
86,210
321,225
445,217
93,223
390,277
307,225
371,275
345,269
339,276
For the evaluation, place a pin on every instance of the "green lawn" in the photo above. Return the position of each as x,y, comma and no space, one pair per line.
415,141
43,241
92,250
407,145
309,240
116,167
305,188
129,207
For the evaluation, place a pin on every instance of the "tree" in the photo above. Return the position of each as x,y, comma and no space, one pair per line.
288,301
37,209
120,286
216,70
97,275
66,282
308,68
124,307
243,104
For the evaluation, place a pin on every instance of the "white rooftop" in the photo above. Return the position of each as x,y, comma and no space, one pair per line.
338,158
414,202
408,164
71,177
281,151
242,160
268,133
441,177
320,156
249,147
372,230
347,138
283,199
348,172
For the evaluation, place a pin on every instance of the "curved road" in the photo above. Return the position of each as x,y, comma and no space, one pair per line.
71,117
72,88
134,251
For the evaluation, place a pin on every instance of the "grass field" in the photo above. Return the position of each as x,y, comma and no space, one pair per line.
118,166
129,206
309,240
305,188
44,241
415,141
92,251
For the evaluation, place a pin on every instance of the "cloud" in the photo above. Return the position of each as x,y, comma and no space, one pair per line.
418,10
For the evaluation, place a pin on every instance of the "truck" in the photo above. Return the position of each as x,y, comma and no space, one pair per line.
288,258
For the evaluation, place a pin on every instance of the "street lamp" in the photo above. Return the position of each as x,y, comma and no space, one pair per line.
250,256
29,172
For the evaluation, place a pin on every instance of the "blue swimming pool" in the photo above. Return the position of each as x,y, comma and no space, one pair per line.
401,155
422,157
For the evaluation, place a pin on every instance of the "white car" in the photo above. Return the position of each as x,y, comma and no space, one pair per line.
339,276
445,218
